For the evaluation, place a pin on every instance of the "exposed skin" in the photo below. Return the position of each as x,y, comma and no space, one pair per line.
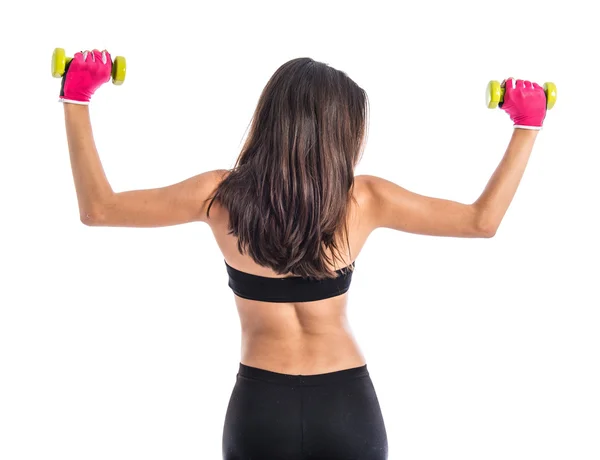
293,338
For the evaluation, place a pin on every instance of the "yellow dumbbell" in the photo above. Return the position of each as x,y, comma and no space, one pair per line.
495,94
60,61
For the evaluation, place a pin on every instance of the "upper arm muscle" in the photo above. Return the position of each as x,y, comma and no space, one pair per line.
175,204
391,206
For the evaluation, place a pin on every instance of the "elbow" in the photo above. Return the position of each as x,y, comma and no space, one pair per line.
485,228
487,231
92,217
484,225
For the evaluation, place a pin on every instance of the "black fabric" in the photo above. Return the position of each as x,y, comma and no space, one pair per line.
64,77
331,416
290,289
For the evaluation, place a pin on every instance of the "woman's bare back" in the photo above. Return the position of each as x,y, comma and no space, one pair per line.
295,338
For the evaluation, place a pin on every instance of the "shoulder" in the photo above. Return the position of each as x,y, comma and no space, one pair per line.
210,180
218,175
376,191
207,184
365,200
366,189
378,198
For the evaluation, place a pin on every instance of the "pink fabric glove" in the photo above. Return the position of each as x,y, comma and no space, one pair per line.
525,102
84,74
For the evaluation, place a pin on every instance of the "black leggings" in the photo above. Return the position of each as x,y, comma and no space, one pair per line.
294,417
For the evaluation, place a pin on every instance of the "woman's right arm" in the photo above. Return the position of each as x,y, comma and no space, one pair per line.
391,206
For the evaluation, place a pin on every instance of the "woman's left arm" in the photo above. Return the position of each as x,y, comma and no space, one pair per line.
180,203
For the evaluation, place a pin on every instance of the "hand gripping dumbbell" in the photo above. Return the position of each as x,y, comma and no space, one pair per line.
495,94
60,61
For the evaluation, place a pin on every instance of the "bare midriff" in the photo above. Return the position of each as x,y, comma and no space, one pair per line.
304,338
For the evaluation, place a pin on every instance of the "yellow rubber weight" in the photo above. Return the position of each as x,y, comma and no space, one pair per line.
119,70
495,94
550,90
60,61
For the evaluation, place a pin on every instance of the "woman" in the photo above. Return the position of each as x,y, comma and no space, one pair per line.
290,219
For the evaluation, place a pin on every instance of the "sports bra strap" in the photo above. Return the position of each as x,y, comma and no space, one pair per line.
288,289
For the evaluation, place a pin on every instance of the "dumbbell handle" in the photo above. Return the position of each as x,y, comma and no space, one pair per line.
502,91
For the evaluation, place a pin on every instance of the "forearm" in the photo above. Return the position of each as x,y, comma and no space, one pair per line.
502,186
91,184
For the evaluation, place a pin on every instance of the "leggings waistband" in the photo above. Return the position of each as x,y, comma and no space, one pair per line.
304,380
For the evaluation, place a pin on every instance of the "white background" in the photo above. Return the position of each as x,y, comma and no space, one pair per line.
124,343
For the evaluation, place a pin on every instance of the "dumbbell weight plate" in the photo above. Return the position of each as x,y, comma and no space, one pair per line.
59,62
494,94
119,70
550,90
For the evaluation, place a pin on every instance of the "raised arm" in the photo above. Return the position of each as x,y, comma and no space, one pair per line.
99,205
390,206
183,202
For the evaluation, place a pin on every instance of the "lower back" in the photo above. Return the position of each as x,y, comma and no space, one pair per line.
303,338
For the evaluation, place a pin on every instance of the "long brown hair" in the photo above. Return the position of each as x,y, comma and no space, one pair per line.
289,192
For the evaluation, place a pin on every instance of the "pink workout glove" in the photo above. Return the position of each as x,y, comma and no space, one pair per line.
84,74
525,102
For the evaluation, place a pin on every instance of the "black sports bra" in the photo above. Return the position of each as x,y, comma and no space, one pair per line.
289,289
